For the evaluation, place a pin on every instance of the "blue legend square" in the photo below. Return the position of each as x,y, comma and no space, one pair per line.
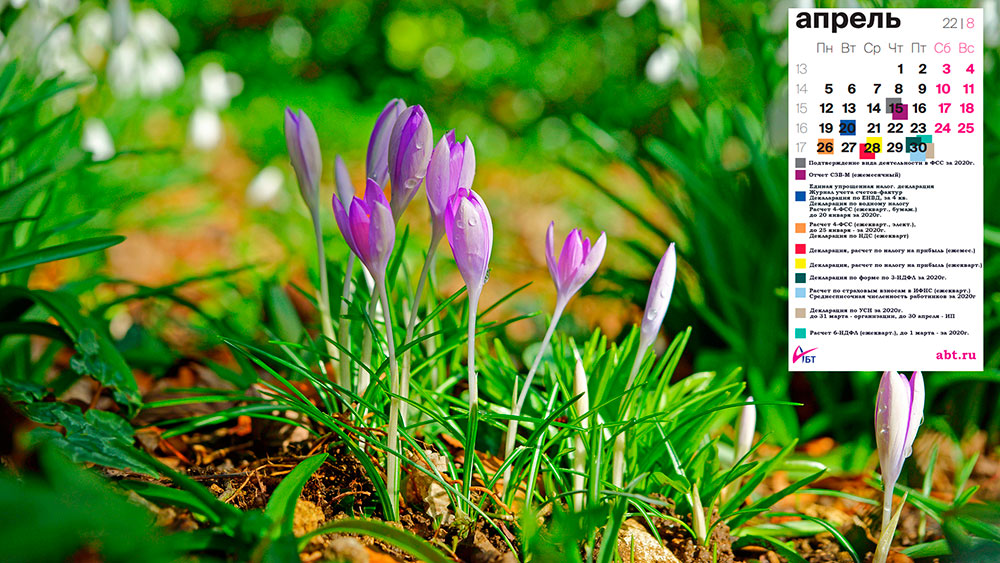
848,127
800,333
800,292
800,277
800,196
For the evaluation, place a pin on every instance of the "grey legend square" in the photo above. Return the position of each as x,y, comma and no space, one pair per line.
800,163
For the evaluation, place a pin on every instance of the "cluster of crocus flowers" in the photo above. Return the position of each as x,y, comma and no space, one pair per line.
899,411
400,153
577,263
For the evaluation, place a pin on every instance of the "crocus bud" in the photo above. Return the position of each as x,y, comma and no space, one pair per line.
303,150
576,264
453,165
580,388
470,234
745,426
377,162
345,188
898,413
660,290
410,148
368,228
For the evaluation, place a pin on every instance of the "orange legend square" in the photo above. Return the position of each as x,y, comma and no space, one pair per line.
800,227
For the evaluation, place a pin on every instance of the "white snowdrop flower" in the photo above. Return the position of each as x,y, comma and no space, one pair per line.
265,188
151,28
662,64
162,73
628,8
671,13
97,140
218,87
94,30
991,23
205,130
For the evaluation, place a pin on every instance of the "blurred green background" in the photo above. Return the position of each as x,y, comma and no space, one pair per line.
634,117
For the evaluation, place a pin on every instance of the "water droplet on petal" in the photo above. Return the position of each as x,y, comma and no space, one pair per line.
472,221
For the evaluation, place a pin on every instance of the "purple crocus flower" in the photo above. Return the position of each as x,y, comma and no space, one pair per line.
368,228
660,290
303,150
452,166
898,413
576,264
410,148
377,162
470,234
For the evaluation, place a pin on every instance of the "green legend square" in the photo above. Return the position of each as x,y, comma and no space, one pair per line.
800,333
800,277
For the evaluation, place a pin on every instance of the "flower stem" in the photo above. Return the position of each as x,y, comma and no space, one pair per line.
344,337
470,434
392,437
366,349
618,453
518,400
412,322
323,296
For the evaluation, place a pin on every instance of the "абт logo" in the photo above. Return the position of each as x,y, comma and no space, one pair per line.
800,354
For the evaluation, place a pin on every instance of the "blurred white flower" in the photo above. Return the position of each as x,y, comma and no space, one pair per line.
628,8
991,23
672,13
778,22
205,130
265,188
97,140
662,64
57,56
218,87
144,61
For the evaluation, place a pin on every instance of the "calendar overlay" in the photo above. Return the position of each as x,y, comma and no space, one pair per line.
885,234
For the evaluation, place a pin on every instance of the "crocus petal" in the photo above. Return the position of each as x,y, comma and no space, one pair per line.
345,189
377,161
915,414
570,257
409,153
660,290
470,233
591,260
550,257
892,421
303,151
374,194
382,237
360,226
468,165
438,180
344,224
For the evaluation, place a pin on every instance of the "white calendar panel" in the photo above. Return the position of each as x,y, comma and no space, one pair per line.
885,233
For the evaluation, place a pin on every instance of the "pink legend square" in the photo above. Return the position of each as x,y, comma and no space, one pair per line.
800,249
800,174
